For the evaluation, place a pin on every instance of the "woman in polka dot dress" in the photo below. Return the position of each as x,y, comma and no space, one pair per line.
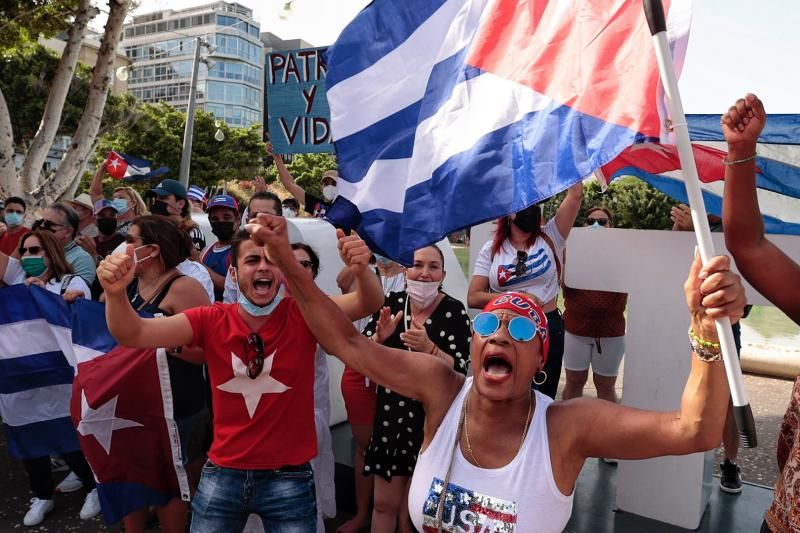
420,319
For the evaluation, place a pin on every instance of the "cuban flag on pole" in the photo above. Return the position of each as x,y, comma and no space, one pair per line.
122,410
777,167
447,113
35,373
121,166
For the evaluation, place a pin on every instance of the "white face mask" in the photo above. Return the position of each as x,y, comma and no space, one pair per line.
329,192
422,293
122,249
288,212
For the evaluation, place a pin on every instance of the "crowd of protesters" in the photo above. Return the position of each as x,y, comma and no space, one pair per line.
420,374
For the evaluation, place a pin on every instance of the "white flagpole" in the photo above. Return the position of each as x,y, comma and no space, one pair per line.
654,12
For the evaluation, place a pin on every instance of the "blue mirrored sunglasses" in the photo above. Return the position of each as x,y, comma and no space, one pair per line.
520,328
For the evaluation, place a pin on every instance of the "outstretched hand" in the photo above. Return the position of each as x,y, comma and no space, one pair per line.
743,122
354,251
712,292
386,324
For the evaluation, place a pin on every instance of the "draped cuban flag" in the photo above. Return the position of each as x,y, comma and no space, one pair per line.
127,167
122,410
777,168
35,373
447,113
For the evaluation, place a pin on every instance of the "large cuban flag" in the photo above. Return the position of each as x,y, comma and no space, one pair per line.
122,410
447,113
35,373
126,167
777,168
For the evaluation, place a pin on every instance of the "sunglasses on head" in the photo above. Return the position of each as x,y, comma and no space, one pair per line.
521,268
601,221
520,328
256,364
49,225
33,250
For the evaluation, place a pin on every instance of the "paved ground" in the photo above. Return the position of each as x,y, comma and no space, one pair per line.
768,397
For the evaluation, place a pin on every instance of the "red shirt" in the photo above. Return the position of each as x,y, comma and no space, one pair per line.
9,242
267,422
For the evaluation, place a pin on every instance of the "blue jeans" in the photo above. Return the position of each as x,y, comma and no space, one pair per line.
283,498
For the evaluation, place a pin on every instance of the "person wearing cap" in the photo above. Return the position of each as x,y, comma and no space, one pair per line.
170,200
108,238
507,457
83,205
13,228
197,197
223,215
314,205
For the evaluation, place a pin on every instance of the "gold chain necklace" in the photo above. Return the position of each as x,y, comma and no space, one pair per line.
466,428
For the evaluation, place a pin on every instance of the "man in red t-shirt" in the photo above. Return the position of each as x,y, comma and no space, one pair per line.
260,357
12,230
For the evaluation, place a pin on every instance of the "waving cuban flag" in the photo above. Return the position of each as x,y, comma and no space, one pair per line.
121,166
446,113
777,168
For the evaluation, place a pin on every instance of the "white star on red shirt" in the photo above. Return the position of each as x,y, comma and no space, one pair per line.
252,389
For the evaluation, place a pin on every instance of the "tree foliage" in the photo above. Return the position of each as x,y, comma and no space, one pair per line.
634,204
23,21
155,132
306,169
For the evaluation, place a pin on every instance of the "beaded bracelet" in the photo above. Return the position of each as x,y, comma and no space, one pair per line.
731,163
706,351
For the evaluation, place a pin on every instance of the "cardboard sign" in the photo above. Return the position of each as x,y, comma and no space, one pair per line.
297,107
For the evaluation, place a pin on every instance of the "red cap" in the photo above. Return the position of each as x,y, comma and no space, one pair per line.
524,306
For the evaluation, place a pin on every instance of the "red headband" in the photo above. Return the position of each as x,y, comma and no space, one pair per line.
527,307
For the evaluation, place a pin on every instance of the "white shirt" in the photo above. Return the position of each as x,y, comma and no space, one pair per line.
15,275
540,276
195,270
521,496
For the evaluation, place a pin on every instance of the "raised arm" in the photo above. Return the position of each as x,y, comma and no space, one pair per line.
368,296
741,216
96,187
414,375
286,177
597,428
126,326
568,210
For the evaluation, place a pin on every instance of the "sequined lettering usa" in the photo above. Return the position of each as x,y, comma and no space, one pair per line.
468,511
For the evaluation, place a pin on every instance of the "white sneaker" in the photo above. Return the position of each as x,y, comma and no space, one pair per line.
71,483
36,513
91,506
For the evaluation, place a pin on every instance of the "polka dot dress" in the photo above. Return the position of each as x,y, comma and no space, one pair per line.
397,431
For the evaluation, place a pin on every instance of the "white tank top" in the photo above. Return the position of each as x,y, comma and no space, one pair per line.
522,496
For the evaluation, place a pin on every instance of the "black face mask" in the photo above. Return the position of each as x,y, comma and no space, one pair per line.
528,219
159,208
107,226
222,229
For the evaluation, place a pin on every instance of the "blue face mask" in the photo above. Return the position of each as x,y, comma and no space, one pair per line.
596,225
121,205
257,310
383,261
14,219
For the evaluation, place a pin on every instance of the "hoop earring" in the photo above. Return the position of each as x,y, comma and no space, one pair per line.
539,383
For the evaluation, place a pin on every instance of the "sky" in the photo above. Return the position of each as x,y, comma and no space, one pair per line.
735,46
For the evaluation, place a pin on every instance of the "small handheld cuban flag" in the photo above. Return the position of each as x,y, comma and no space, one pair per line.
121,166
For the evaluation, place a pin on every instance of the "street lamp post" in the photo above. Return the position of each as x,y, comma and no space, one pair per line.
188,132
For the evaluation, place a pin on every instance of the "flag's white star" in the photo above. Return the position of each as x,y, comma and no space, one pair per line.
252,389
114,164
102,422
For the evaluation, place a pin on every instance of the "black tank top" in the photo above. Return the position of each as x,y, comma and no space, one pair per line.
186,379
